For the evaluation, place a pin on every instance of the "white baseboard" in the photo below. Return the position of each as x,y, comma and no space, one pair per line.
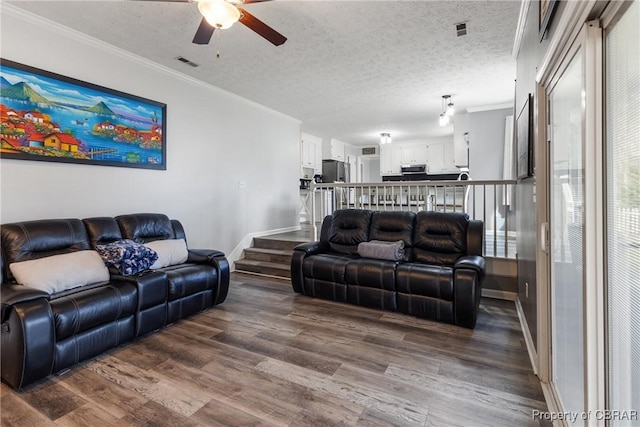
236,253
531,348
496,294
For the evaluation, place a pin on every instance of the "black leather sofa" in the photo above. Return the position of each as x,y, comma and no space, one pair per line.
440,276
44,333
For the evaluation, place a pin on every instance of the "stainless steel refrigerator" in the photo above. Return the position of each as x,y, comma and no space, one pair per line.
335,171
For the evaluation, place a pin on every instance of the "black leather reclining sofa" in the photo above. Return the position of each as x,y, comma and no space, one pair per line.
439,277
44,333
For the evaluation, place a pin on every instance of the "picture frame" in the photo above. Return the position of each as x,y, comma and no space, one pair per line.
547,8
45,116
524,140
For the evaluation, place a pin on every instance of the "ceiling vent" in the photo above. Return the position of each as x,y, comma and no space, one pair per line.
186,61
461,29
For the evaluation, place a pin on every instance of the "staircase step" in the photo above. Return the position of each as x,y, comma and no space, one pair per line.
263,267
267,243
271,255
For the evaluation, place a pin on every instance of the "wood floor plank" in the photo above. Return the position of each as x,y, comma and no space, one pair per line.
96,388
404,410
270,357
52,399
17,412
276,350
182,400
89,414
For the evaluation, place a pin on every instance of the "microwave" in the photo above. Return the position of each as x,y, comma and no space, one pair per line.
413,169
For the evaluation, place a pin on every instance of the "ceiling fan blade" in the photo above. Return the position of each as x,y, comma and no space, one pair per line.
261,28
203,33
252,1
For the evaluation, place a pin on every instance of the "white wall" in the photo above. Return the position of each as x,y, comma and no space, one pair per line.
214,141
486,143
486,161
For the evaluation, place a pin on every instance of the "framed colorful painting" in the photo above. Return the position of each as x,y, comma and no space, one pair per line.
49,117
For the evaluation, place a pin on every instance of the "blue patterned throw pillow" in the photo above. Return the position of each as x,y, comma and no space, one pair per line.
127,256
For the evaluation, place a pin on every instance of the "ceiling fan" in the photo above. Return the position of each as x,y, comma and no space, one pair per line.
221,14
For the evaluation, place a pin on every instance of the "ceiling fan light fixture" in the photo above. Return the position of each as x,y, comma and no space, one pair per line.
219,13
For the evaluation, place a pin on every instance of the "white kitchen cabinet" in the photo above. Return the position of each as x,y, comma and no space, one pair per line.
390,160
334,150
311,152
414,154
440,158
435,158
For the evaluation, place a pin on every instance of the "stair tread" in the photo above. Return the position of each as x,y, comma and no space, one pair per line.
267,264
266,243
270,251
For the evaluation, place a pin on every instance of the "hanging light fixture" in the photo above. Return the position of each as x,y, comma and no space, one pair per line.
385,138
448,110
219,13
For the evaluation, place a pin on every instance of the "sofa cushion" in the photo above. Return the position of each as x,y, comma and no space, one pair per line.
349,227
26,240
440,238
57,273
393,226
328,267
102,230
127,256
87,309
146,227
189,279
371,273
432,281
170,252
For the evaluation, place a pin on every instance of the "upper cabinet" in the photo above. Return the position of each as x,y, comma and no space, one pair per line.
334,150
460,140
390,159
440,158
311,153
438,155
414,154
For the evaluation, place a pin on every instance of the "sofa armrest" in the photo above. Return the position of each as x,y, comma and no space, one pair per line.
218,260
313,248
473,262
468,273
15,294
300,252
203,256
28,335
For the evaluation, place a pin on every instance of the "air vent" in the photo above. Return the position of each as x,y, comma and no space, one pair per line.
368,150
186,61
461,29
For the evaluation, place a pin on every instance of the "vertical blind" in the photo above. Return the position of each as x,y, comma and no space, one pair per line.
623,212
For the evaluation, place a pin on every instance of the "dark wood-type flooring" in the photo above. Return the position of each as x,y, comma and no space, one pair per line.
270,357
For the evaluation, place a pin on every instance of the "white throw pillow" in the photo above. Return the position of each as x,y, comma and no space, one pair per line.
170,252
60,272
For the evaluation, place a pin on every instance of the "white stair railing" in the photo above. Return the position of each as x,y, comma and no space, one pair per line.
489,201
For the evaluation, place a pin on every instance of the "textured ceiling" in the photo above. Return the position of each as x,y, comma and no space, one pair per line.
349,70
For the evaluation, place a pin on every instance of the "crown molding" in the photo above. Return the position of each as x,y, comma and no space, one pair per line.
522,23
490,107
8,10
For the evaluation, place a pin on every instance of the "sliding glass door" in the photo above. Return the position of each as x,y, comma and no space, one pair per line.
622,121
566,185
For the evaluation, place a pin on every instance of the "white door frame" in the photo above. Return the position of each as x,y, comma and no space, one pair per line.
575,35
